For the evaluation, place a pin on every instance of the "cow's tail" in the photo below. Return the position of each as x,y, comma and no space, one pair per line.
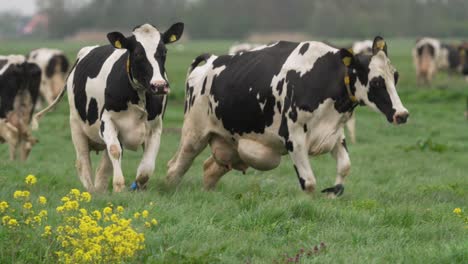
202,58
38,116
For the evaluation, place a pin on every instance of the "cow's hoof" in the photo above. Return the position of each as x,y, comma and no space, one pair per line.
336,190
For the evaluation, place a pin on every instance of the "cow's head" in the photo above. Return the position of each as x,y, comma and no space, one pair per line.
147,55
375,81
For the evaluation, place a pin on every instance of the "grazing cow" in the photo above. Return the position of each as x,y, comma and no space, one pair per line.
284,98
242,47
426,56
117,96
19,89
450,58
54,66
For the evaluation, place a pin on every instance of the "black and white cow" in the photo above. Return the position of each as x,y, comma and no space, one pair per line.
117,96
54,66
19,89
284,98
463,52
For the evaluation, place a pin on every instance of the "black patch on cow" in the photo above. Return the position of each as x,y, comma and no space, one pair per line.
19,80
101,128
378,94
2,63
244,84
118,91
337,189
88,67
92,114
304,49
362,67
396,76
204,86
426,48
301,181
278,105
453,56
344,145
325,80
279,87
305,128
59,62
154,105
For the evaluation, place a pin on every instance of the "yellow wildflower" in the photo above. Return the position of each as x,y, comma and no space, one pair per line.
47,231
136,215
42,213
13,222
97,214
26,194
147,224
144,213
5,219
86,196
27,205
42,200
154,221
60,209
75,192
120,209
3,206
30,179
457,211
65,199
107,210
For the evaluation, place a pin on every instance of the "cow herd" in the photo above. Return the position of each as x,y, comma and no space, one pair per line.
250,107
430,55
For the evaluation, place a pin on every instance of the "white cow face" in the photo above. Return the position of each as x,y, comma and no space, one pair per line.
376,85
147,55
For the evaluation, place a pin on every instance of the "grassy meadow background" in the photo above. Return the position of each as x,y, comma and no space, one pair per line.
397,206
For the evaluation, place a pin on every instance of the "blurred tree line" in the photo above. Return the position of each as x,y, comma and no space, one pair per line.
238,18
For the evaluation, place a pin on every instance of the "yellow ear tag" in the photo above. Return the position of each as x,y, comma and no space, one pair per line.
346,80
380,44
128,65
117,44
351,51
347,61
173,38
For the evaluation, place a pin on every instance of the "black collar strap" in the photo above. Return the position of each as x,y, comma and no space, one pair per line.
134,83
347,80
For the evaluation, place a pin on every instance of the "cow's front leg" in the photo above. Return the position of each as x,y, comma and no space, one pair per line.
343,167
109,134
299,154
147,164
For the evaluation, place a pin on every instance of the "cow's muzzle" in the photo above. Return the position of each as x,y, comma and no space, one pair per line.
160,88
400,118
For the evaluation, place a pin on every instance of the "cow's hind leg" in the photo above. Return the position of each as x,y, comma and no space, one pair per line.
109,134
103,172
147,164
83,161
212,172
343,167
190,146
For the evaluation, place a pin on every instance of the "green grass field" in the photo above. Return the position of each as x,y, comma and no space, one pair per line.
397,207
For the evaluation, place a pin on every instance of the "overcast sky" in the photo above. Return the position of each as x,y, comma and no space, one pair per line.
26,7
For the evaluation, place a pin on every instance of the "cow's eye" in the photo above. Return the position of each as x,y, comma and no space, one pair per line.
377,83
139,55
161,54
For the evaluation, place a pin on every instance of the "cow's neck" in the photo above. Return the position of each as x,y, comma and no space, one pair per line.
139,88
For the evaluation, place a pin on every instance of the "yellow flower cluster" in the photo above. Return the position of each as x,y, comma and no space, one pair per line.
30,179
83,235
458,211
100,236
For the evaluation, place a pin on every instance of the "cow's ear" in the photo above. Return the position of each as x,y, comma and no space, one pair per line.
347,57
118,40
173,33
379,45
